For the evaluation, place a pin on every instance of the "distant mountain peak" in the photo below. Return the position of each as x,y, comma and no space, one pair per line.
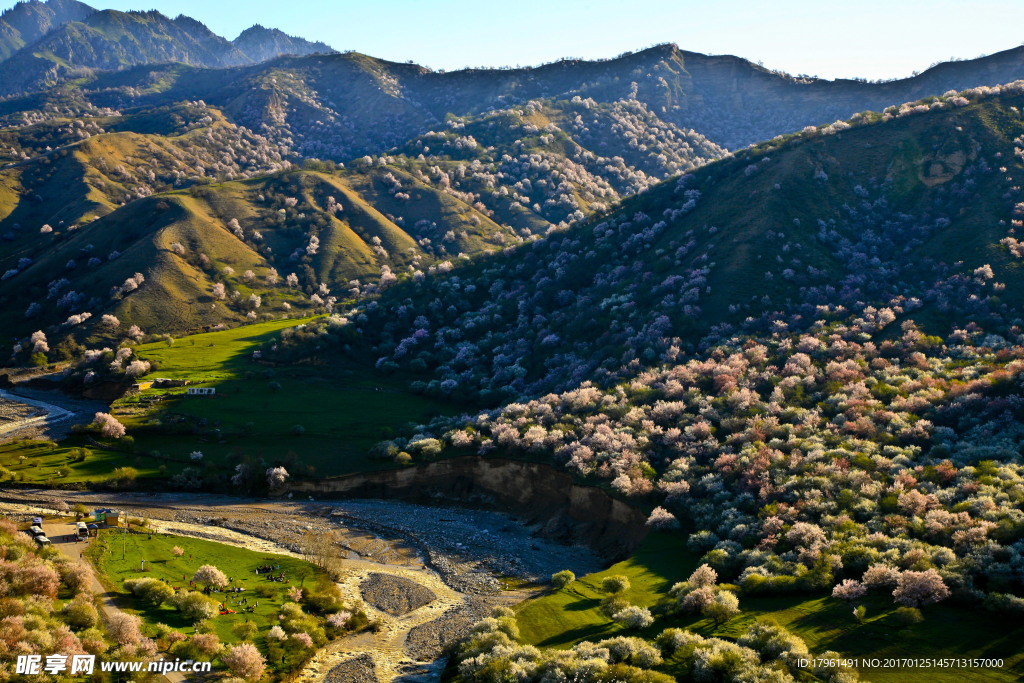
260,44
42,42
28,21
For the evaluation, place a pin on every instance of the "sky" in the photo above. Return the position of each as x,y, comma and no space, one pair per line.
868,39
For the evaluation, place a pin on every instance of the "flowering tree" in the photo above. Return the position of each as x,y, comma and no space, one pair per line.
124,628
109,426
880,575
276,477
37,579
849,589
703,577
38,341
245,661
634,617
339,619
723,608
661,518
920,588
210,576
207,644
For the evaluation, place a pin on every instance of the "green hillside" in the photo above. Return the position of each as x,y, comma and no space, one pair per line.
814,225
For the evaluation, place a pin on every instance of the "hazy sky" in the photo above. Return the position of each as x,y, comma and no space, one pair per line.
868,38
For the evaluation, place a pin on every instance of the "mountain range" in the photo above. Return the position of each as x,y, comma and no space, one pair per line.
124,134
45,43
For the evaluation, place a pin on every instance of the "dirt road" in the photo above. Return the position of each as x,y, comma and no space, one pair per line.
62,535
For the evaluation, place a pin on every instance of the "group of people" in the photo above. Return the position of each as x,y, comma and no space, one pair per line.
243,603
270,569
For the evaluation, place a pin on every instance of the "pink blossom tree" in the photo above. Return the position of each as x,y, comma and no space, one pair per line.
849,589
208,575
109,425
245,661
920,588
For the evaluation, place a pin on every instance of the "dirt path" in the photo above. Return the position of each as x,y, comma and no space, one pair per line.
58,533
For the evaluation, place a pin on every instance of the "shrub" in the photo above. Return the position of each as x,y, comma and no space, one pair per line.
773,642
562,579
81,614
723,608
1004,602
908,616
326,599
151,590
615,584
613,604
195,605
671,640
629,650
245,630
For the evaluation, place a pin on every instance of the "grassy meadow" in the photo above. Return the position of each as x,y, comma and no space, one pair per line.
317,421
119,557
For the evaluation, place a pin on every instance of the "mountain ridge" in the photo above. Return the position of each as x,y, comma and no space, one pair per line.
64,39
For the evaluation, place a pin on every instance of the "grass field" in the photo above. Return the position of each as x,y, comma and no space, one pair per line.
51,464
212,356
564,617
327,419
316,421
238,563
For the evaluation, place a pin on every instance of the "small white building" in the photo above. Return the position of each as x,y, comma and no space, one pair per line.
201,391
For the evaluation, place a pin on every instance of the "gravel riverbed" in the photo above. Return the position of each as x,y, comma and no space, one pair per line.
395,595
